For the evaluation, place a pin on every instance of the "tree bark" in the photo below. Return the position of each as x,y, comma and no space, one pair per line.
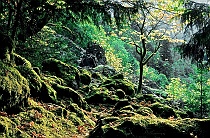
6,47
139,90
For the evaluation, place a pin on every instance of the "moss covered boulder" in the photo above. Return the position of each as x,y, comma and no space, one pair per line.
117,82
62,70
85,77
39,85
47,94
105,70
69,94
101,95
139,126
34,80
14,89
161,110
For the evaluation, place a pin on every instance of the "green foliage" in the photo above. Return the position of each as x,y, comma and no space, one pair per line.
154,75
189,91
116,53
49,44
198,89
176,89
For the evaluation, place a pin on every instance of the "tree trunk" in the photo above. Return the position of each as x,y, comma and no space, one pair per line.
139,90
6,47
201,91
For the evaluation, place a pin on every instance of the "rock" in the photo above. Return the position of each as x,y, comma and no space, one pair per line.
98,132
105,70
88,60
94,56
128,107
121,103
161,110
120,93
47,94
100,96
68,73
145,111
97,76
125,85
14,89
34,80
139,126
69,94
85,77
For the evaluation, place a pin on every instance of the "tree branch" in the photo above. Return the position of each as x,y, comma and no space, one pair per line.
156,49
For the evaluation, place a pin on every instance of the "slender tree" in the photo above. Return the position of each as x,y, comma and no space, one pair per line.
152,26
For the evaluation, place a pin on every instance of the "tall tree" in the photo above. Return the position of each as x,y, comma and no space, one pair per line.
197,22
152,27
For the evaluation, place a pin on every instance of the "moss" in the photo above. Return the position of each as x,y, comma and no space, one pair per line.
69,94
44,120
105,70
152,127
7,47
14,89
100,98
37,70
128,107
163,111
181,114
47,93
125,85
74,113
114,97
34,80
124,113
151,98
120,93
117,76
85,77
97,76
21,61
102,95
62,70
121,103
145,111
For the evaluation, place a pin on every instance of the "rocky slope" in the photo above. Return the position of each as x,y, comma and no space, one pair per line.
59,100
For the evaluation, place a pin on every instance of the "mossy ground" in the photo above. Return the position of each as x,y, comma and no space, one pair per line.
45,121
101,106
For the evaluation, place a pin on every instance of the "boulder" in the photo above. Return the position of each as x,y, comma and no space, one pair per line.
85,77
14,89
124,84
34,80
161,110
94,56
139,126
105,70
69,94
60,69
101,95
